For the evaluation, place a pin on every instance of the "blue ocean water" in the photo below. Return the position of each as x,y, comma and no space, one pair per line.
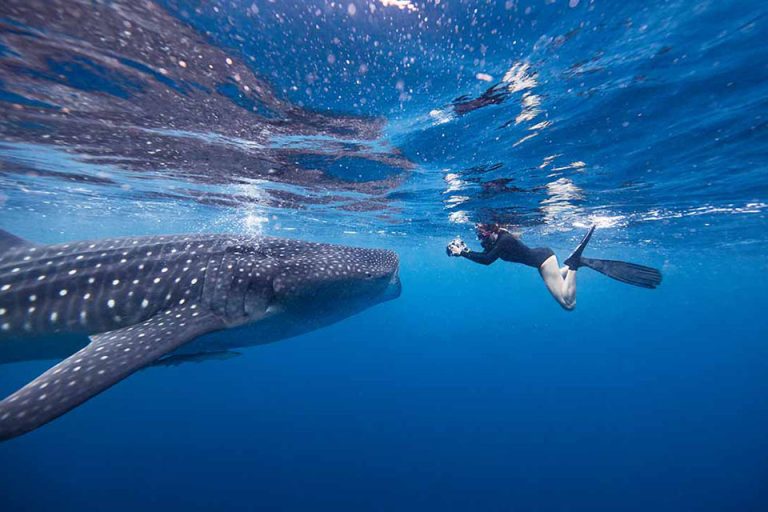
399,124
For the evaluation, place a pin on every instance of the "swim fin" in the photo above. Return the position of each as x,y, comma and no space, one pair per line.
574,260
630,273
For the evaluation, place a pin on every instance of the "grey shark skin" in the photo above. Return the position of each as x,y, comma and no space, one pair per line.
143,299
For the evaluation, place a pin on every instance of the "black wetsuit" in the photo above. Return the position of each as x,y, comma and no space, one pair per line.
509,248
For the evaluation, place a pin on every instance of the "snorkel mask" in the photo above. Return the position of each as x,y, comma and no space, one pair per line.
487,234
483,231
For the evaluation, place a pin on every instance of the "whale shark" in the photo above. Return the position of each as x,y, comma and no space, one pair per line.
111,307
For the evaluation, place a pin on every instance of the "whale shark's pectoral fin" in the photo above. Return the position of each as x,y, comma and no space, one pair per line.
109,358
200,357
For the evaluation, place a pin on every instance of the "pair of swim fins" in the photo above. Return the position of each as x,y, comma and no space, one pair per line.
624,271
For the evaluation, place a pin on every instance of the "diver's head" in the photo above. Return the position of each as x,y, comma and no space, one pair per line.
487,234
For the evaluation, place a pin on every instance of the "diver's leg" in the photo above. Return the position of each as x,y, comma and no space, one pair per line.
563,289
569,287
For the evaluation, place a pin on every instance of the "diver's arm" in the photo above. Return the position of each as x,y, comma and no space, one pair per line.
484,258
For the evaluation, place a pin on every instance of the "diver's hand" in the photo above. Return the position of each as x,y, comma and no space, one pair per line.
456,248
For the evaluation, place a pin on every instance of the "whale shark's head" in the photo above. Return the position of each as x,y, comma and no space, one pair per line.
330,276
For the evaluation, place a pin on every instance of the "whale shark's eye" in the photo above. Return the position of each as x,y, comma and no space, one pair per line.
368,274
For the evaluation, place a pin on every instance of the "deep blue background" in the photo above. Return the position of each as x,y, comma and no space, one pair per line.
473,391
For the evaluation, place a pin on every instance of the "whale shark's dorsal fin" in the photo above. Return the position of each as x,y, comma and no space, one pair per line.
9,241
109,358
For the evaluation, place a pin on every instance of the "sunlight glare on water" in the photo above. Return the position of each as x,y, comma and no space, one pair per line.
417,118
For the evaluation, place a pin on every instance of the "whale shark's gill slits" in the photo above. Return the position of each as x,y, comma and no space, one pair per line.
219,287
209,292
233,280
241,276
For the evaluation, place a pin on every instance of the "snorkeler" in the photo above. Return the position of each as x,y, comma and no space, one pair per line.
498,243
